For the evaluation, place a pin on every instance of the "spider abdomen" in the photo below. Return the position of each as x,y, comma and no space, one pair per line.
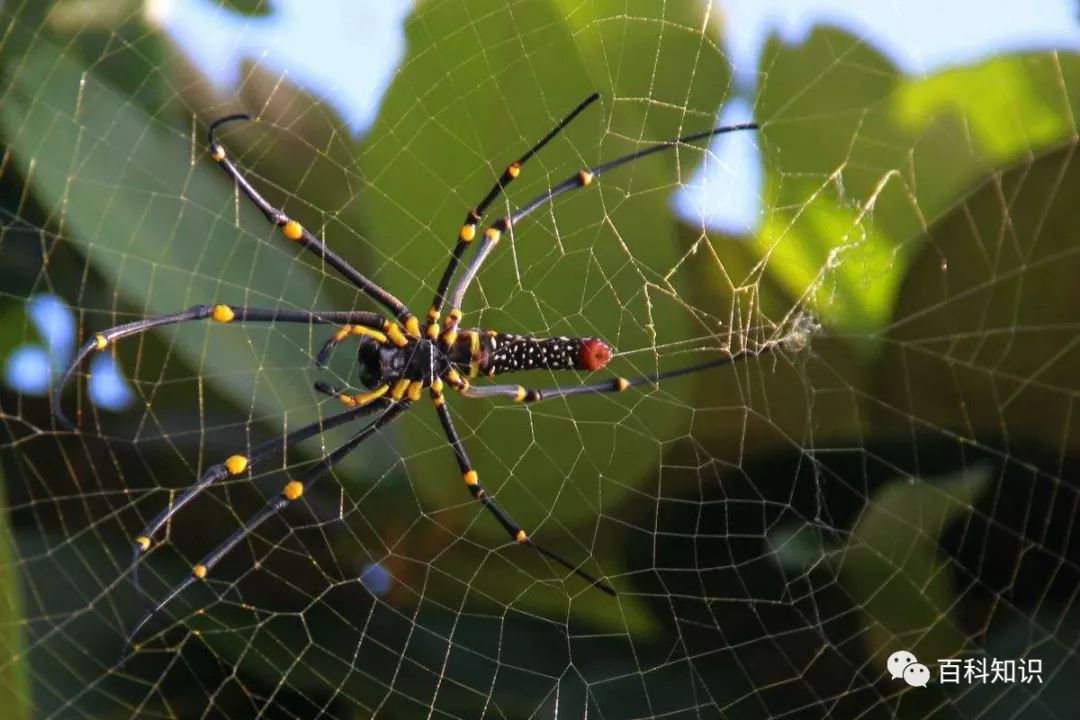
486,352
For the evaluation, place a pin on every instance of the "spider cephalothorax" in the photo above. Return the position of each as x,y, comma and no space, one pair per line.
397,359
381,364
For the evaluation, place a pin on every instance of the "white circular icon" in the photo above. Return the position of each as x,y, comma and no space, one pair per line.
898,661
916,674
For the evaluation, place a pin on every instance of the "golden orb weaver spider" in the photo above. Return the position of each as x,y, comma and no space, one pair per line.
397,359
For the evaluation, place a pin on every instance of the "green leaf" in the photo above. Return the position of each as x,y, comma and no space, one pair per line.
845,261
983,343
93,33
894,573
473,94
251,8
890,154
15,692
155,217
1010,104
790,387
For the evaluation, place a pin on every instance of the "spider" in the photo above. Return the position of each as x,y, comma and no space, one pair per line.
398,359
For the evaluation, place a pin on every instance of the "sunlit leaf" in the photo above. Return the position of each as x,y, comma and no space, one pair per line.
890,155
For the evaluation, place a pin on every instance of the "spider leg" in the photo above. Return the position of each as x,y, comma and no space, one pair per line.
580,180
292,491
296,232
238,464
393,334
476,488
219,313
521,394
474,216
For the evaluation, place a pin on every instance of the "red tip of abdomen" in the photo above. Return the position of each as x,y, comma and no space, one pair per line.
594,354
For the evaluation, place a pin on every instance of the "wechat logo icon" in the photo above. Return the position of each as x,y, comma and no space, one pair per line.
903,664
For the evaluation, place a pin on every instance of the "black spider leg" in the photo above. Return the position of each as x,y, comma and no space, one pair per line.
296,232
581,179
522,394
474,216
237,465
219,313
476,488
292,491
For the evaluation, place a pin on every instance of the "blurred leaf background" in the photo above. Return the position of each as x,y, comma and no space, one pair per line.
907,480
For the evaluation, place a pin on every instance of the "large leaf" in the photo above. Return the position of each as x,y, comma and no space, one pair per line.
156,219
890,155
983,344
481,83
91,32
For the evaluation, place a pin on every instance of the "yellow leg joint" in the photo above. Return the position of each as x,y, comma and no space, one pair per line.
471,478
223,314
452,318
217,153
101,342
467,233
412,327
514,170
292,490
521,394
364,330
415,389
365,398
236,464
492,235
521,537
449,337
199,571
399,389
292,230
343,333
393,331
143,542
433,323
438,399
585,178
622,384
474,353
453,377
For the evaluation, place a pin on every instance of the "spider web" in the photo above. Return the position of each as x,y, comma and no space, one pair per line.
891,469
